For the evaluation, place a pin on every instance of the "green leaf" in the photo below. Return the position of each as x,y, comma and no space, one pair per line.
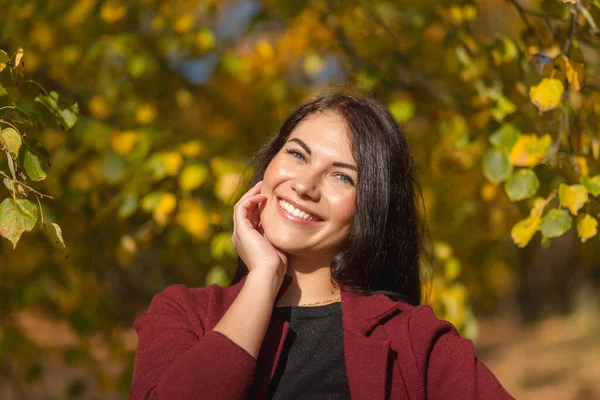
221,246
16,190
151,200
555,223
114,167
522,185
11,165
592,185
129,203
503,108
10,140
496,166
34,159
61,108
54,233
218,276
16,217
505,137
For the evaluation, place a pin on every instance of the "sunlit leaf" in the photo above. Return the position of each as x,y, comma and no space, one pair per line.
192,176
496,166
529,150
113,10
145,113
10,140
547,95
227,186
164,208
54,233
583,165
555,223
3,60
402,109
17,216
575,74
222,247
522,232
592,185
124,142
217,275
193,217
451,269
522,184
572,197
587,227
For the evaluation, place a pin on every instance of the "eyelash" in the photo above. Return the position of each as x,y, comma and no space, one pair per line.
293,152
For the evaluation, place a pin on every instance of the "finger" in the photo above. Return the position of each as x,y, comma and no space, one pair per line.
242,210
253,190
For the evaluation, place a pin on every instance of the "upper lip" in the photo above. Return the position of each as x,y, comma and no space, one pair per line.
301,207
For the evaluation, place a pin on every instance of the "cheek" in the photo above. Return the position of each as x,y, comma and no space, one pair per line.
344,209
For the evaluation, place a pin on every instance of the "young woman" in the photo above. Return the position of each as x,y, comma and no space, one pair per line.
325,302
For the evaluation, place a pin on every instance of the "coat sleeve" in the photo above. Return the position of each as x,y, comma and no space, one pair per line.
448,362
174,361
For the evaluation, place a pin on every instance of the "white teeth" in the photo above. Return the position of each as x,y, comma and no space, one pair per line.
295,212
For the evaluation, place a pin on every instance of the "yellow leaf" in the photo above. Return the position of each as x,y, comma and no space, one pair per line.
194,218
145,113
205,40
582,164
569,1
183,97
112,11
488,191
265,49
191,149
524,230
574,71
184,23
530,150
587,227
172,161
442,250
79,11
573,197
547,95
164,208
99,107
193,176
123,142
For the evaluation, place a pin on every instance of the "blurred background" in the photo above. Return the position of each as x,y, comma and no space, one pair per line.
126,126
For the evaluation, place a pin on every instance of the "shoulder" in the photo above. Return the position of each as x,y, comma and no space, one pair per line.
199,306
422,327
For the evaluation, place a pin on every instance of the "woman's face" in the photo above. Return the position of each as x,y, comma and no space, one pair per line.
314,172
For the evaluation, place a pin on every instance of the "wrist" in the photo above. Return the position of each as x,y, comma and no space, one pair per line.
267,281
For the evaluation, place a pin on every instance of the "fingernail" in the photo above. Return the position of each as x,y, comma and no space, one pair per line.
257,183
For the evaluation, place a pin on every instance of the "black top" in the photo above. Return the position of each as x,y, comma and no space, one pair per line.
312,361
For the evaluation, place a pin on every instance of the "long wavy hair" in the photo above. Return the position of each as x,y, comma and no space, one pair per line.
388,236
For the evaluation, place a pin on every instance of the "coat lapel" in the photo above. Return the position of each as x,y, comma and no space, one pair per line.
366,350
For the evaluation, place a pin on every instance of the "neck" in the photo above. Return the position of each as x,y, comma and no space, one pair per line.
311,283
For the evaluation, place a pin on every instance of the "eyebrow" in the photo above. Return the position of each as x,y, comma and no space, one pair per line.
335,163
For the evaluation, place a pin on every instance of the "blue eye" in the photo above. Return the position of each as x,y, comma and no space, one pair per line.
294,152
349,180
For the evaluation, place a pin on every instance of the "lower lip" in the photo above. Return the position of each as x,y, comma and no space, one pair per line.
293,218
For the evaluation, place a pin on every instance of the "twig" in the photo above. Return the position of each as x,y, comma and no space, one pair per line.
588,17
42,195
523,16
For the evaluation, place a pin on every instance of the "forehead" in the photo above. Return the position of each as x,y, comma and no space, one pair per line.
326,132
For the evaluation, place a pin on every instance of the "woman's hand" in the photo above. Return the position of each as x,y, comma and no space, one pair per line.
249,240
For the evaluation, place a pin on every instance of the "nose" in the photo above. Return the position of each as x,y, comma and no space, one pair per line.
307,186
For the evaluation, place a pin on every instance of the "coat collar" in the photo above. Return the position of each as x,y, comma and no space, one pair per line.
360,313
363,351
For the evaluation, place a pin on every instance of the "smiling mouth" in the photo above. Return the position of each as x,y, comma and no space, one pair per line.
294,214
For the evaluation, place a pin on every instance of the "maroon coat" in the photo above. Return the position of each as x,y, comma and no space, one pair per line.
392,350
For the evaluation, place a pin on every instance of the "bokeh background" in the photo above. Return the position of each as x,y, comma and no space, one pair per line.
126,126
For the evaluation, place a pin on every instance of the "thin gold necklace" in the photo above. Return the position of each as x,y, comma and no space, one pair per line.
319,302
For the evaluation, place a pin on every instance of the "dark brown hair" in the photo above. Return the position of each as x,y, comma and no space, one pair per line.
387,239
